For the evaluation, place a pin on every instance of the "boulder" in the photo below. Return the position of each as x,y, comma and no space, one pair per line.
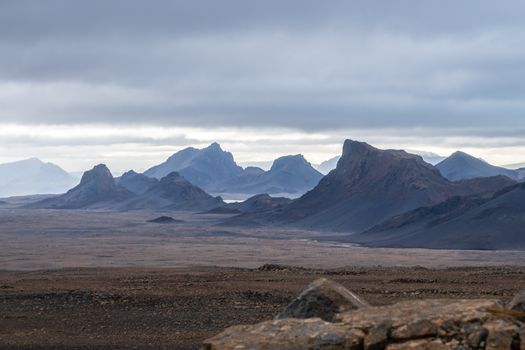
418,324
323,299
518,303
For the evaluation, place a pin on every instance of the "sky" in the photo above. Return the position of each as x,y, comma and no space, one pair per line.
128,83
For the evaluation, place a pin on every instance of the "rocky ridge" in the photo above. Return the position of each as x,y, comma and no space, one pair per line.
352,324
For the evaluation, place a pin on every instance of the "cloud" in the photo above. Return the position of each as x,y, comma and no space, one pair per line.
429,71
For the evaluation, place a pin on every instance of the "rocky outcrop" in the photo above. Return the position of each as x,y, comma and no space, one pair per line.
324,299
418,324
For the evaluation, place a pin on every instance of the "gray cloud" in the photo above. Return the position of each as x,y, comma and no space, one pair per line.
447,67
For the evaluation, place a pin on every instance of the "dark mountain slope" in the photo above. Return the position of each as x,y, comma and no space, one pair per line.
460,166
173,192
459,223
258,203
136,183
369,186
97,189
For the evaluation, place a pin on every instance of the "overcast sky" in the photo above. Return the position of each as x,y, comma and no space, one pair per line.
130,82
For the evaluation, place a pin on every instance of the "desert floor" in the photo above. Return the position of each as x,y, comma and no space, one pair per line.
107,280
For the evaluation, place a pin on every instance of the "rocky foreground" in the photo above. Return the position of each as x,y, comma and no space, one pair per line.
328,316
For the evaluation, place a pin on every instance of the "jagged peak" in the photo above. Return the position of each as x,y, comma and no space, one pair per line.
98,172
356,147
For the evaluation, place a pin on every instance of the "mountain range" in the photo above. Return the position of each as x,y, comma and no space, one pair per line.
369,186
377,197
215,171
99,190
32,176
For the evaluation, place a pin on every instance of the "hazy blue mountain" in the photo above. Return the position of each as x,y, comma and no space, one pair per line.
207,168
136,183
288,175
173,192
97,189
515,166
461,166
32,176
473,222
429,157
328,165
369,186
215,171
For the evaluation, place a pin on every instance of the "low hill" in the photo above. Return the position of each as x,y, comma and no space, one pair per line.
461,166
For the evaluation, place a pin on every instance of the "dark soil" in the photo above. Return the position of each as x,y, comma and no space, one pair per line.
179,308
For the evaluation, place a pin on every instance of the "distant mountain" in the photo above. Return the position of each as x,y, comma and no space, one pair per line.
32,176
288,174
173,192
207,168
97,189
515,166
328,165
369,186
429,157
461,166
136,183
473,222
215,171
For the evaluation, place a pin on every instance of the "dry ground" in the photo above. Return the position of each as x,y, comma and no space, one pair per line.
137,308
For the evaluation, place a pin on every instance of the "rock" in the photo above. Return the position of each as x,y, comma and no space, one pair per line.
417,329
422,344
290,334
518,303
417,324
164,220
502,335
377,337
324,299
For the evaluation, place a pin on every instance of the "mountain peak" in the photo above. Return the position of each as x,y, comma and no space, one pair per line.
351,147
99,173
290,160
214,147
461,165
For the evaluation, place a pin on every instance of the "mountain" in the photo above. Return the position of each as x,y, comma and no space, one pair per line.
32,176
328,165
136,183
289,174
472,222
258,203
215,171
369,186
173,192
97,189
460,166
429,157
207,168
